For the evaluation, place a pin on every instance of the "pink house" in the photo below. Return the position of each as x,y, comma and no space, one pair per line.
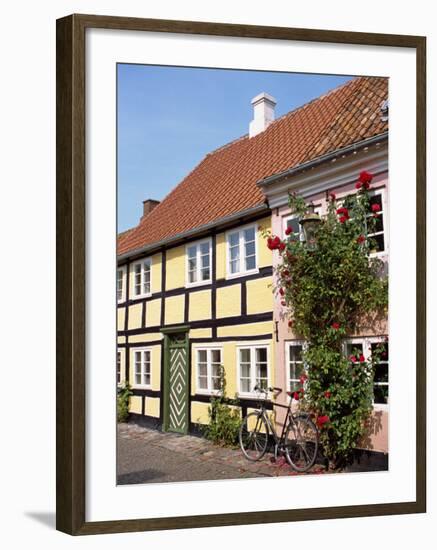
316,177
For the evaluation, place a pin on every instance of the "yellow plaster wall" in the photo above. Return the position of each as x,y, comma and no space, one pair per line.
153,313
229,301
259,295
152,406
174,309
200,333
265,256
121,339
250,329
221,256
134,319
175,267
199,413
135,404
156,285
200,305
121,312
146,337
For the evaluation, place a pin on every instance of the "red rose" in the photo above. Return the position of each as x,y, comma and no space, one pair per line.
366,185
288,231
335,326
296,396
362,358
321,420
281,247
353,358
332,196
365,177
327,394
290,323
281,291
303,378
342,210
358,185
361,239
343,219
273,242
285,273
376,207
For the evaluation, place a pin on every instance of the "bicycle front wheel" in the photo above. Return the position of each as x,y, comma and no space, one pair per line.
301,443
254,435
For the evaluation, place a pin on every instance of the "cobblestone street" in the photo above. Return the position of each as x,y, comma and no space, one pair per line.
149,456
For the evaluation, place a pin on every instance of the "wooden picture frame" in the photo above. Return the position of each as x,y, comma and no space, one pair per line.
71,253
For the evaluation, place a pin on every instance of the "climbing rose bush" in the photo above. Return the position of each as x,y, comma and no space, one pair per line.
325,294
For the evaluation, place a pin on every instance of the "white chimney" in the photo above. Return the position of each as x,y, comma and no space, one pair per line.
263,113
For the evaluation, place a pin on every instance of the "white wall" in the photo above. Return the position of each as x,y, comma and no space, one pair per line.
27,122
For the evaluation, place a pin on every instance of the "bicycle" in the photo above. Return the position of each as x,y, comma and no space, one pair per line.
299,440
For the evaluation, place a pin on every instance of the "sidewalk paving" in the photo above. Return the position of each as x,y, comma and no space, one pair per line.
145,455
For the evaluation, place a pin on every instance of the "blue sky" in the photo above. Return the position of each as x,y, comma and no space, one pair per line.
169,118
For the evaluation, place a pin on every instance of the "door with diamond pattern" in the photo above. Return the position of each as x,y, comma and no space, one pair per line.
177,386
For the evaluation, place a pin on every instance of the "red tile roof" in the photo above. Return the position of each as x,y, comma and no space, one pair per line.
225,181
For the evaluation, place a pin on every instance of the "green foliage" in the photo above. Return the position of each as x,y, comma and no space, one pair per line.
328,291
123,396
224,420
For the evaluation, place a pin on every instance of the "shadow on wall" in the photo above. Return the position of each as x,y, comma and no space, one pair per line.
373,428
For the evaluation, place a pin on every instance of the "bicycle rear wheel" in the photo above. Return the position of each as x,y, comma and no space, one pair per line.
301,443
253,436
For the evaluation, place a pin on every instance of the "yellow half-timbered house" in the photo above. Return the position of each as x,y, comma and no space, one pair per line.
194,277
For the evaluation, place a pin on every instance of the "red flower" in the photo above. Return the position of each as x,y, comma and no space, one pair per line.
332,196
335,326
365,177
288,231
290,323
303,378
281,291
353,358
362,358
343,210
285,273
281,247
343,219
296,395
327,394
321,420
376,207
358,185
361,239
273,243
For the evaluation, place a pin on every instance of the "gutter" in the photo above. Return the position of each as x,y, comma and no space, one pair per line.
320,160
191,232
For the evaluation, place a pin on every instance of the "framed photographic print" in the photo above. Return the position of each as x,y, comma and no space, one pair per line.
240,274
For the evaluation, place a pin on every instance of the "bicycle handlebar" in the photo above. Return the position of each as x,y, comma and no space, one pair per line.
266,391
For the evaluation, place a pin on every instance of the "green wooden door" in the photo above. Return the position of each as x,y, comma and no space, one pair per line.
176,389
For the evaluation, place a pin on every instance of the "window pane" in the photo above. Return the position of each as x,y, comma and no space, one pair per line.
234,252
261,371
203,382
205,261
250,262
250,248
192,251
249,234
235,266
206,274
381,372
261,355
216,383
203,369
245,355
380,394
216,356
204,249
296,353
192,276
215,370
245,370
234,239
202,356
245,385
147,379
376,199
294,224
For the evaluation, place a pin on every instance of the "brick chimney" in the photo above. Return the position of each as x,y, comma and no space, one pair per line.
148,206
263,113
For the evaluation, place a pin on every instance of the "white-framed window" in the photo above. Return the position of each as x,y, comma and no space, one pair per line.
366,346
378,236
292,221
253,367
121,284
142,273
142,366
242,251
296,365
198,263
208,365
118,367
